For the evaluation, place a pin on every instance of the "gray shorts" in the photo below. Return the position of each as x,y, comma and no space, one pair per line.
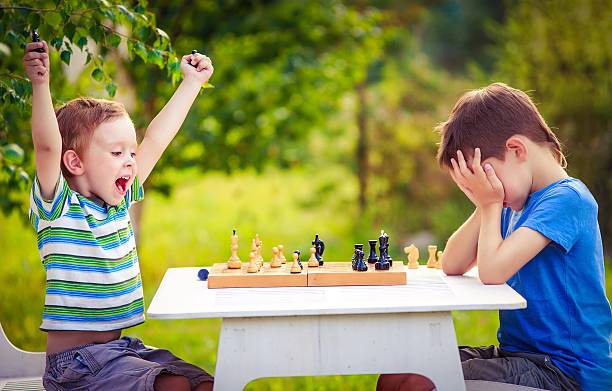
526,369
122,364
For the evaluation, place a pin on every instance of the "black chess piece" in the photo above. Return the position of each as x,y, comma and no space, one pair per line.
203,274
373,257
320,248
360,266
358,247
383,261
36,38
193,52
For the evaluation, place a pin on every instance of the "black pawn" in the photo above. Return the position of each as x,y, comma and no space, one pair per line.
373,257
358,247
361,266
193,52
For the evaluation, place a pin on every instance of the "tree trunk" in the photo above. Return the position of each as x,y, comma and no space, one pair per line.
362,141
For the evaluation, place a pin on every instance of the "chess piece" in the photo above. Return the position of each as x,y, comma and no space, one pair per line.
253,265
320,248
312,261
431,261
234,261
360,264
373,257
259,247
281,256
358,247
383,247
296,267
36,38
275,262
413,256
193,52
439,263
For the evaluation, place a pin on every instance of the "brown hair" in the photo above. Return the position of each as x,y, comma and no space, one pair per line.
487,118
79,118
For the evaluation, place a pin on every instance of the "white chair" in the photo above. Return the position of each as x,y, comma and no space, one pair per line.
19,370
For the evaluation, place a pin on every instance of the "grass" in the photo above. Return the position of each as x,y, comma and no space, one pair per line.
192,228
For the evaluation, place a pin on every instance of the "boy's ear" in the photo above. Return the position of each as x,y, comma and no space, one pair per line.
518,147
73,163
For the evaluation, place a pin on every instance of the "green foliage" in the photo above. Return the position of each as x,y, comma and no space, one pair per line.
95,27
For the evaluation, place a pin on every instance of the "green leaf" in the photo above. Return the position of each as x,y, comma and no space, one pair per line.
69,30
141,51
13,153
56,42
82,42
53,18
111,89
65,56
127,13
97,74
156,58
114,40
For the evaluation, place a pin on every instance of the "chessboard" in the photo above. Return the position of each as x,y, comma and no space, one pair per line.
223,277
330,274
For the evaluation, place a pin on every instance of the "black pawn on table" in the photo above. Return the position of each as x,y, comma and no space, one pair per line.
360,266
319,246
358,247
373,257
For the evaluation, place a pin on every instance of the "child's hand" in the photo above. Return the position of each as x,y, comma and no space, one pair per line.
480,184
37,64
197,67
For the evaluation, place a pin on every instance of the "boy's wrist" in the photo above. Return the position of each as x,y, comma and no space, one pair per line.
492,209
192,81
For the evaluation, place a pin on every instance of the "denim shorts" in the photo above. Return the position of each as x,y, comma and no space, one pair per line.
122,364
526,369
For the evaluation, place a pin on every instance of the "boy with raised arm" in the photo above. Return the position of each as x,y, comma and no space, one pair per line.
89,171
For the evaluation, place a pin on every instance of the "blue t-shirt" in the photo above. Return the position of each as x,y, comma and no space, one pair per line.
568,315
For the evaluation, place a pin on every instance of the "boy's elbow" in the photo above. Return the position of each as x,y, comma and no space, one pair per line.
491,277
452,270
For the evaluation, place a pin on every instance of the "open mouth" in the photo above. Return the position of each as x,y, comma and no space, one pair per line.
122,183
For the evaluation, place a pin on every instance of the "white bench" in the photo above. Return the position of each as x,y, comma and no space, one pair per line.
19,370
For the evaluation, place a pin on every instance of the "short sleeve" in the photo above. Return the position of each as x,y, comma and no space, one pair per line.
43,209
135,193
560,215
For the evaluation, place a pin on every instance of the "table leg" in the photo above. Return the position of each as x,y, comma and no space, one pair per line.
425,343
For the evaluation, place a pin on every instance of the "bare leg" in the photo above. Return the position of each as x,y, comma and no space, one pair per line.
208,386
171,382
404,382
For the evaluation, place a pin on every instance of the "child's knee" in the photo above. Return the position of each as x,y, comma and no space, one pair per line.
404,382
171,382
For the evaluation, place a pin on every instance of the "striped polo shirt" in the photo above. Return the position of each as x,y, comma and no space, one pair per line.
89,255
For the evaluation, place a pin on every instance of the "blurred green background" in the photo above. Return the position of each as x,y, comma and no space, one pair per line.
321,121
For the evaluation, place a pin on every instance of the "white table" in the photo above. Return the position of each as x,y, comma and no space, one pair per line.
318,331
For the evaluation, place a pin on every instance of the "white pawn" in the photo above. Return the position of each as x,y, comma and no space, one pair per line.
431,261
312,261
275,262
253,265
439,263
281,256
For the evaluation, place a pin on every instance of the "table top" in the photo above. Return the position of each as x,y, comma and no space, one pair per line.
181,295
